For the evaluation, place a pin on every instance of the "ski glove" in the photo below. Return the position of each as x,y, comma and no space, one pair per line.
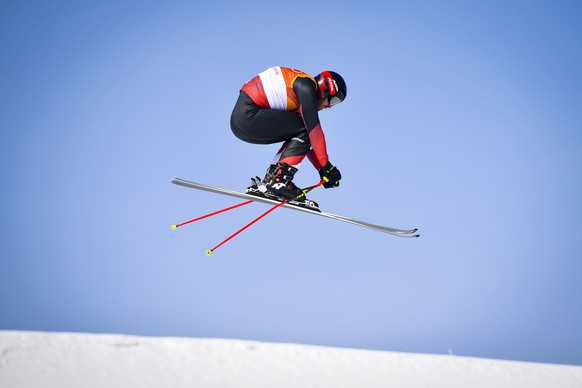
332,174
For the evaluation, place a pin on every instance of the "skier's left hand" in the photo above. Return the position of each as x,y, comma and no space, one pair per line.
332,174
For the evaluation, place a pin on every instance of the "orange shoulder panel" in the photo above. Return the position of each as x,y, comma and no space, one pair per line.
290,75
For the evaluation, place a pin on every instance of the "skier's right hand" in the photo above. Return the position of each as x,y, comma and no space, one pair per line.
331,174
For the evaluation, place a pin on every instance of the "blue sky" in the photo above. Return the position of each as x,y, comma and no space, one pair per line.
462,119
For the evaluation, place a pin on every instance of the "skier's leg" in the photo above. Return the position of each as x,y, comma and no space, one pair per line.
265,126
257,125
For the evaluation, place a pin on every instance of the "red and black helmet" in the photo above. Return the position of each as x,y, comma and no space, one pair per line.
331,85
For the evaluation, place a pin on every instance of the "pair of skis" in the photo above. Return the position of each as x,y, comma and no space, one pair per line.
407,233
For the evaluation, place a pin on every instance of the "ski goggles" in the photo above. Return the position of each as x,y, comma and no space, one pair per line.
336,98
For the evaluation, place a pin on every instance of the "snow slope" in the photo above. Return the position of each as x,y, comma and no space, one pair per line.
47,360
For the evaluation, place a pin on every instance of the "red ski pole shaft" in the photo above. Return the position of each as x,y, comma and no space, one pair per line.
209,252
212,214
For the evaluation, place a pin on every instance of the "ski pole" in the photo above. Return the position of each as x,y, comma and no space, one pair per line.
305,191
174,227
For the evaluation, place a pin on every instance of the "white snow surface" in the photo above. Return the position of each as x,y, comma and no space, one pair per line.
47,360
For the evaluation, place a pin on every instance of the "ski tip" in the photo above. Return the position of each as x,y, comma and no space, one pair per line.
174,227
209,252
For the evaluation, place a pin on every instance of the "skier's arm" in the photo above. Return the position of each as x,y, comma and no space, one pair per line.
304,89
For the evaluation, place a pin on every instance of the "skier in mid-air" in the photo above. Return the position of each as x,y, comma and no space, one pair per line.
281,105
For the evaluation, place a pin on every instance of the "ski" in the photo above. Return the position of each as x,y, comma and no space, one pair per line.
409,233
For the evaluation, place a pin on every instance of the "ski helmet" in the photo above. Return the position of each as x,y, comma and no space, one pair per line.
331,85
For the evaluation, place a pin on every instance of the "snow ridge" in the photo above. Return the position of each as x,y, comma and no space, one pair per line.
39,359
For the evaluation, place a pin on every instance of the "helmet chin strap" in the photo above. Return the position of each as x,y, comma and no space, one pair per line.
321,86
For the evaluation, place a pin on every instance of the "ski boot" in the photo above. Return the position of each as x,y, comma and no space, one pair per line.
278,185
258,186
